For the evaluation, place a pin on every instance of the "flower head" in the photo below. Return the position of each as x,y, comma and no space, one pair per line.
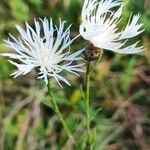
99,26
43,51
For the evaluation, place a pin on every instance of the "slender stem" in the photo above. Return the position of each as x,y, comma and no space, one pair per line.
56,109
88,113
88,101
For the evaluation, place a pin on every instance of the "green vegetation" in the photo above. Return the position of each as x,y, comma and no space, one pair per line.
120,86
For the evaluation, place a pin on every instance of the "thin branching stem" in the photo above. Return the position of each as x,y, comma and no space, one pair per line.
88,101
57,111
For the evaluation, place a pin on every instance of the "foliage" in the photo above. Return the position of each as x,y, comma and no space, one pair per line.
120,87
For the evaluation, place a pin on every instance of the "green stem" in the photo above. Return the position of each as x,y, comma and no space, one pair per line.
88,101
56,109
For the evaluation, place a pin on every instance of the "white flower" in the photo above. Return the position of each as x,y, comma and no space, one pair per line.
99,26
43,50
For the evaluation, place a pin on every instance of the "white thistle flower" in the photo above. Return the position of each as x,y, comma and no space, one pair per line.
45,52
100,26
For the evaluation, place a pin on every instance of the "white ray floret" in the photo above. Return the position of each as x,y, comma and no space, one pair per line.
100,19
43,50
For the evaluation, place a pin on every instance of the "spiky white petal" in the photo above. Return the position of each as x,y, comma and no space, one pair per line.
43,50
133,28
100,26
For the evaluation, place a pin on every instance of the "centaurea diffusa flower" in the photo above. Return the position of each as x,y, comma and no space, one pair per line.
43,51
100,19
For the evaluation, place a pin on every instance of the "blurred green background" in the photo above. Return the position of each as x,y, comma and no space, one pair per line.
120,86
